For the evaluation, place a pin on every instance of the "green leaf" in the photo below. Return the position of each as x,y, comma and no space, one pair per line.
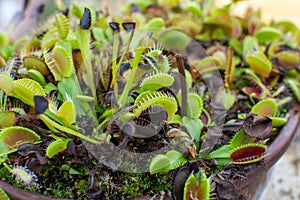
67,112
223,161
250,44
267,34
237,46
98,34
286,26
164,163
222,152
160,163
7,119
3,148
57,146
220,18
154,98
195,105
192,7
259,63
207,65
37,76
229,99
6,83
266,107
176,159
278,121
25,89
154,25
62,23
157,81
49,87
194,127
240,138
74,171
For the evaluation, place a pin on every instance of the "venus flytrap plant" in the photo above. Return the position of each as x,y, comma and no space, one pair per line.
197,186
156,81
62,23
9,110
267,34
148,98
266,107
190,182
153,97
67,112
37,76
258,90
57,146
242,149
83,38
287,59
165,163
59,62
26,89
6,83
32,60
61,121
294,87
259,63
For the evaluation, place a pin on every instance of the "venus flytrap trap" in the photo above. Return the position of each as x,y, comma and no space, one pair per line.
59,62
197,186
190,182
157,81
14,136
57,146
26,89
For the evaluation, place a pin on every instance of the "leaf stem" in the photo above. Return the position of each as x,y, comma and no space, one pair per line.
84,38
114,61
47,120
128,86
7,166
127,48
183,85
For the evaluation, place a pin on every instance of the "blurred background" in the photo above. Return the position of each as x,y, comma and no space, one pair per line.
284,183
272,9
8,9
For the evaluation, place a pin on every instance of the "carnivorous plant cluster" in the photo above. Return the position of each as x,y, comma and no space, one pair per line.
185,90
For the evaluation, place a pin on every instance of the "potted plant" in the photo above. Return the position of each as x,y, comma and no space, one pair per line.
171,100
